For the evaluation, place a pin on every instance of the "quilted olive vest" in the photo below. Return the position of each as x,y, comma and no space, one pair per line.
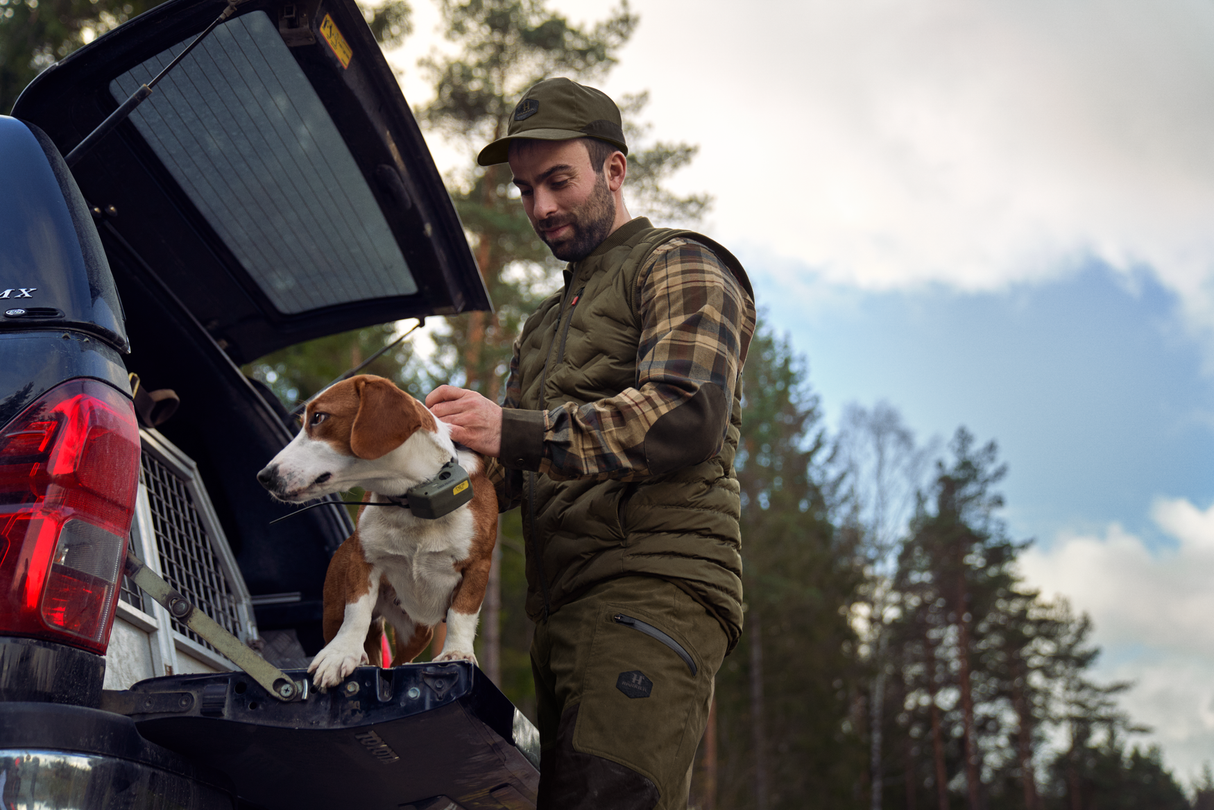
581,346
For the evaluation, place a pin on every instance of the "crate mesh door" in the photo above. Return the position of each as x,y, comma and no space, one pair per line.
187,559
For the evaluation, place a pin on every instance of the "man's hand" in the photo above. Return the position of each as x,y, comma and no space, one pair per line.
476,422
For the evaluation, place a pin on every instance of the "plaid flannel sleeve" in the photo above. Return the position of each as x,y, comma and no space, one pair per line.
697,323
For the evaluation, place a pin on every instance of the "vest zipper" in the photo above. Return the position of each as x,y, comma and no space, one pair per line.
653,632
568,322
539,557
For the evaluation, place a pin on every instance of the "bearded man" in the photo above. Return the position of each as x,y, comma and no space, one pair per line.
617,438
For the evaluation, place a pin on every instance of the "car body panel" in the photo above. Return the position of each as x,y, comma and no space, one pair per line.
35,361
53,271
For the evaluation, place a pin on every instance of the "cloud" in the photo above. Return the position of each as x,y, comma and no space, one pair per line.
892,145
1152,615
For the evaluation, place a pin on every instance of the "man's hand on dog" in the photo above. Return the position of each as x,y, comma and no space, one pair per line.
476,422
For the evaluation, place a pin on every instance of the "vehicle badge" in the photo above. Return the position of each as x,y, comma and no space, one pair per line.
526,108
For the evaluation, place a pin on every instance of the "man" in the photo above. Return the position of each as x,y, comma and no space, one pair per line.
617,437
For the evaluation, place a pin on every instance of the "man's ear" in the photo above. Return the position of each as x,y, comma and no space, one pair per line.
615,170
386,417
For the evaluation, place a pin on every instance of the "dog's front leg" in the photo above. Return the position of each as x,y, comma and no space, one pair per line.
345,652
461,632
464,613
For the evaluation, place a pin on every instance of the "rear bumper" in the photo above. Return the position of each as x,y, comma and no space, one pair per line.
40,672
74,757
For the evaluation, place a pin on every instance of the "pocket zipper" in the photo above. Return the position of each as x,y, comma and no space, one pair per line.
653,632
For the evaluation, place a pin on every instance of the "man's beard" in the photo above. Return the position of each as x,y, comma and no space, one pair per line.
590,223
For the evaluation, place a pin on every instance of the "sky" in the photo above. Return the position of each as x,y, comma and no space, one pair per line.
995,215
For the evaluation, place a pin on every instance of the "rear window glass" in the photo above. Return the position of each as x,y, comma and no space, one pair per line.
244,134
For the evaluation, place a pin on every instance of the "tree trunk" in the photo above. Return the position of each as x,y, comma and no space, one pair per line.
1073,781
938,754
937,731
757,726
493,612
479,322
1024,737
876,710
967,708
909,767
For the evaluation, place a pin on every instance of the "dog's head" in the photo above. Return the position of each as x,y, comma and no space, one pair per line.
352,435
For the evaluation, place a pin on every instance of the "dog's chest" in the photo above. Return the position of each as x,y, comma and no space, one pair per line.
420,558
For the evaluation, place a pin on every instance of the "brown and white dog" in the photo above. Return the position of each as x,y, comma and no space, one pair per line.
411,572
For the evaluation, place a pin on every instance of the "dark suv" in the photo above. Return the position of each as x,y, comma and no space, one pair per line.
272,188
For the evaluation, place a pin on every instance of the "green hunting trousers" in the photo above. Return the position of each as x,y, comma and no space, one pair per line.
624,681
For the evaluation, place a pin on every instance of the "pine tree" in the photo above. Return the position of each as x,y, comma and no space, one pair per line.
1089,716
1021,656
953,571
1203,791
801,576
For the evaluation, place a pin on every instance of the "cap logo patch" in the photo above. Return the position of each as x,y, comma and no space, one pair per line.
526,108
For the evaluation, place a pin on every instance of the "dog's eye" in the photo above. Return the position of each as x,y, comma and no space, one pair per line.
318,417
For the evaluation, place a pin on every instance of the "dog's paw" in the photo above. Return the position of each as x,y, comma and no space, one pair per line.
332,666
456,655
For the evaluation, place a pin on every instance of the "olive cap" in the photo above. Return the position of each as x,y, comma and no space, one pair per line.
559,110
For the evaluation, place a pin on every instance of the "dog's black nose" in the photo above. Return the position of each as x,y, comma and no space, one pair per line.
268,476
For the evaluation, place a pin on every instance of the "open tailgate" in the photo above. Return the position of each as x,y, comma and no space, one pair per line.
422,736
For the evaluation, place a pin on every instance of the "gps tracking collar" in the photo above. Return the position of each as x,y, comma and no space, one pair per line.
442,494
433,498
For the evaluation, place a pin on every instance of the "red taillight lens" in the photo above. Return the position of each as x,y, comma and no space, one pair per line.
69,473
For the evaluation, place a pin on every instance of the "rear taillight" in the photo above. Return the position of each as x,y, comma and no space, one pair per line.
69,474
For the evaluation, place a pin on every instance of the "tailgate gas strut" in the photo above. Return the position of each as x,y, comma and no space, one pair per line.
127,107
273,679
299,409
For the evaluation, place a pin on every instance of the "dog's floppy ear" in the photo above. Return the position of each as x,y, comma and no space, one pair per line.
386,417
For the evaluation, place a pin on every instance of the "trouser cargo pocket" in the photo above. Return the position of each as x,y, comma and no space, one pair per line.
626,673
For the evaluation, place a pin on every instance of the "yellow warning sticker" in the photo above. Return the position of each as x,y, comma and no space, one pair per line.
460,487
341,48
